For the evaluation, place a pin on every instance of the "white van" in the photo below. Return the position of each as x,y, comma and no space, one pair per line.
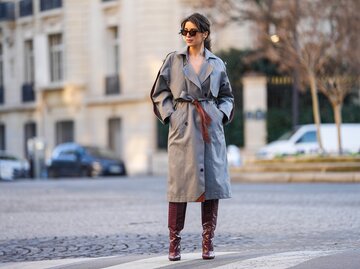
303,141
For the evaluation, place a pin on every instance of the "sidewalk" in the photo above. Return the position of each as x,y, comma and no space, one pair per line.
283,177
224,260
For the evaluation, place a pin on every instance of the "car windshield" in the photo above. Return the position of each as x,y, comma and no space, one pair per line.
63,149
287,135
101,153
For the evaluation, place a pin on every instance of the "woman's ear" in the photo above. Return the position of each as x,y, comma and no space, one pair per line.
205,35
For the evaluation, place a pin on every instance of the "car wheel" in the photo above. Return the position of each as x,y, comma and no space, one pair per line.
85,173
52,174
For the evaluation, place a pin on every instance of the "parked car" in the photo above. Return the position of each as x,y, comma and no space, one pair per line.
75,160
12,167
234,156
304,141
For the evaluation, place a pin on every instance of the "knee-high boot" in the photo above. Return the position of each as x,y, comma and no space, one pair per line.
209,211
176,224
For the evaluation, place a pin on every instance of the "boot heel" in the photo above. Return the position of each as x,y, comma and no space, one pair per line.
174,258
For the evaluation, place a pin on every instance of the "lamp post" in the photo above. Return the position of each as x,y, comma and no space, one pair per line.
295,74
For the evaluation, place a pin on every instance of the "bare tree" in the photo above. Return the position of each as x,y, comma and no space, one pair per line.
341,72
309,36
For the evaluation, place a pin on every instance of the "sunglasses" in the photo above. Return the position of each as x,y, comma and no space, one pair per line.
192,32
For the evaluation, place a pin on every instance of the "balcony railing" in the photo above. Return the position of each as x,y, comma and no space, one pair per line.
7,11
112,84
25,8
28,93
50,4
1,94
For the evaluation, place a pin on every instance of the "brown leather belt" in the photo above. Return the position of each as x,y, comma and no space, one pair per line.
204,117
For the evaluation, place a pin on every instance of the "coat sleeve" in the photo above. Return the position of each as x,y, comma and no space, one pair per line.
161,95
225,98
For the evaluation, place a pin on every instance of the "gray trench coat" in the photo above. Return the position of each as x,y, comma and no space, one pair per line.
197,169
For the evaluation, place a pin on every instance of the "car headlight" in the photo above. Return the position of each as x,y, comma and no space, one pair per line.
96,167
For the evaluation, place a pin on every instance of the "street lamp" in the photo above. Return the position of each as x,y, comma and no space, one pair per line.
274,38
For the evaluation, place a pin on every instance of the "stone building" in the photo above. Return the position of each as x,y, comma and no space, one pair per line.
82,70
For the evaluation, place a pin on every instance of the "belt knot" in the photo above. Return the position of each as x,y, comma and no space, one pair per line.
205,120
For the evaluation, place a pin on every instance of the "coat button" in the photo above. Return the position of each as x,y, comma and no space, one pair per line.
201,170
186,123
205,94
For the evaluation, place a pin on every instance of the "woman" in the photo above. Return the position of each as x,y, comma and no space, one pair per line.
193,94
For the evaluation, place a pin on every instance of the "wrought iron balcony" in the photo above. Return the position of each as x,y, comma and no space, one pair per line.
50,4
7,11
25,8
28,93
112,84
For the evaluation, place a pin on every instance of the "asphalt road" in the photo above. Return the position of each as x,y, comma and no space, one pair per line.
124,221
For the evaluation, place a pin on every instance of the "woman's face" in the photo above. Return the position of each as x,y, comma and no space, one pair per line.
196,40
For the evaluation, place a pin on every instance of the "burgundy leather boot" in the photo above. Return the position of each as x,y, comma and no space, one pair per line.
176,224
209,211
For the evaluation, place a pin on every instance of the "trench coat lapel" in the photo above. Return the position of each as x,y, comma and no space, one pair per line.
191,75
207,69
189,71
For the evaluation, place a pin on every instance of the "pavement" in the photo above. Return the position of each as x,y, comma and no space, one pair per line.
121,223
223,260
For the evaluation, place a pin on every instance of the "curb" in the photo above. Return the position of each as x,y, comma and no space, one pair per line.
288,177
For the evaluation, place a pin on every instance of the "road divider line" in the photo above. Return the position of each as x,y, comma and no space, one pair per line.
43,264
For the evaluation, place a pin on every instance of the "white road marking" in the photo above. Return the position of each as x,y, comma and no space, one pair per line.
43,264
276,261
161,261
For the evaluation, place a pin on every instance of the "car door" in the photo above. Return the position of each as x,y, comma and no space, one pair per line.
69,163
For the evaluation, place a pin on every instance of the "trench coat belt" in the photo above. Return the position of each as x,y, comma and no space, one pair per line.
204,117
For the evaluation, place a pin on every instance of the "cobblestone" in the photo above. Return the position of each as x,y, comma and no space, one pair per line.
94,218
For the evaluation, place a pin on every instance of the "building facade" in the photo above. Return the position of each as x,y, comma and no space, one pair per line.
82,71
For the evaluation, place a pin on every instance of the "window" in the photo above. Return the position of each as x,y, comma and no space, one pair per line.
7,11
308,137
1,75
28,93
25,8
2,137
50,4
113,52
29,61
64,132
115,135
56,57
69,155
112,79
29,132
112,84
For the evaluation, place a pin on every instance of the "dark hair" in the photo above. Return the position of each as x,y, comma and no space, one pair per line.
202,23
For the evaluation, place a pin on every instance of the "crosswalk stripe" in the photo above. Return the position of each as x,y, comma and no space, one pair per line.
162,261
282,260
43,264
276,261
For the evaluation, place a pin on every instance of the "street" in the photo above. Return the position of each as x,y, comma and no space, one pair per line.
126,219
